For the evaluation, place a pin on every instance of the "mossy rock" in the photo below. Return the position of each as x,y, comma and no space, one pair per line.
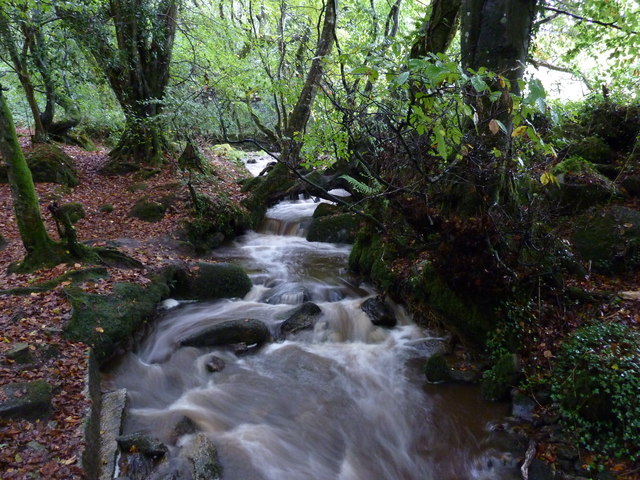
79,139
580,186
369,257
217,220
49,163
609,239
105,322
138,187
437,369
147,210
334,228
616,124
469,320
498,381
326,209
210,281
265,191
29,400
227,151
593,149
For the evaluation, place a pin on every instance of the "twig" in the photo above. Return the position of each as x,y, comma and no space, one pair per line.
589,20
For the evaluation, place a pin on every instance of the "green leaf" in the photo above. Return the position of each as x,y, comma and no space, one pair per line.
478,83
402,78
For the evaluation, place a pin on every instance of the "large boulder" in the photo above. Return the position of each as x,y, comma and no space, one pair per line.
288,294
49,164
301,318
609,238
202,457
210,281
147,210
31,400
248,331
341,228
580,186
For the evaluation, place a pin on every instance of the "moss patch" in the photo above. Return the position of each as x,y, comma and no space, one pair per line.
264,191
210,281
49,163
106,321
334,228
147,210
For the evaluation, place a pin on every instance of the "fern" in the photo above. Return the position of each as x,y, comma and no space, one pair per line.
362,187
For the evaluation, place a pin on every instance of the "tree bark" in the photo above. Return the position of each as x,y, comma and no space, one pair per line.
438,31
299,117
39,246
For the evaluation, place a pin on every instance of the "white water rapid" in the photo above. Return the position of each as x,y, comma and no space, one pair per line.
345,400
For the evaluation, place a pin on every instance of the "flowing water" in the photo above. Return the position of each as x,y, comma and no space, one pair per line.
345,400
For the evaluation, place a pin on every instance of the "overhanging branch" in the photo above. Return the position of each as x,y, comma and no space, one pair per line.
589,20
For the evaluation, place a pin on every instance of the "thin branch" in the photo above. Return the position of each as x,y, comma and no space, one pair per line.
589,20
557,68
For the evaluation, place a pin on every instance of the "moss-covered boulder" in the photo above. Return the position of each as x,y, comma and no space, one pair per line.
105,322
579,186
608,238
325,209
378,312
49,164
30,400
593,149
370,257
227,151
498,381
341,228
147,210
210,281
266,190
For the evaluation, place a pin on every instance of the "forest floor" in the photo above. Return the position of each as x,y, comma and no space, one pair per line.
52,448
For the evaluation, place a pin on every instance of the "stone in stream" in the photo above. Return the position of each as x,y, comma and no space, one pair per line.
248,331
30,400
142,443
202,457
214,364
378,312
301,318
288,294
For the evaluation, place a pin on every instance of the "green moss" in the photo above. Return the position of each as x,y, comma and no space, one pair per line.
30,400
106,321
465,317
75,276
499,379
325,209
74,211
147,210
137,187
49,163
334,228
593,149
210,281
106,208
227,151
574,165
265,190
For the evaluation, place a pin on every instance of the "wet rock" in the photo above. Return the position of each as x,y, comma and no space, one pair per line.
214,364
142,443
326,209
288,294
301,318
539,470
113,404
522,407
202,457
248,331
499,379
185,426
437,369
20,353
378,312
631,185
30,400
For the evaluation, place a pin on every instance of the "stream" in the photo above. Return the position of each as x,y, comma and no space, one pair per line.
345,400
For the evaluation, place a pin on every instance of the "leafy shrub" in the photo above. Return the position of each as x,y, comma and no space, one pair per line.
596,383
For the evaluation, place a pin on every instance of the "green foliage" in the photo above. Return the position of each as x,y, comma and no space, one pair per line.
575,165
596,380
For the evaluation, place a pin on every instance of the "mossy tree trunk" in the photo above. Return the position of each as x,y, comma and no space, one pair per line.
132,43
495,34
41,249
437,33
19,63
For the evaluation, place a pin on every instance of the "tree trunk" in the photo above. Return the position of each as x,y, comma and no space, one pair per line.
39,246
438,31
495,35
137,69
297,120
19,62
